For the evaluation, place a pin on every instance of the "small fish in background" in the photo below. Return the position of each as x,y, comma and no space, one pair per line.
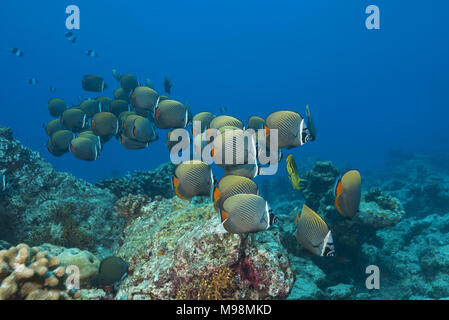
70,36
255,123
167,85
93,83
117,76
120,94
223,109
33,81
129,82
293,174
310,125
225,121
52,89
149,84
92,53
313,233
143,130
347,193
205,119
17,52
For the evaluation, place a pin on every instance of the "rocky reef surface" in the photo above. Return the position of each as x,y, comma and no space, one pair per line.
177,250
149,183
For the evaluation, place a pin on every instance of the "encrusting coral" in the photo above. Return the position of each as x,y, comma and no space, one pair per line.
220,285
129,207
30,274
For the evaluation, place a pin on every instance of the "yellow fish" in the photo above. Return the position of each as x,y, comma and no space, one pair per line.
293,175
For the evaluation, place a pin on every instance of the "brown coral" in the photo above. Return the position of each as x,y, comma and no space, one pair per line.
129,207
29,274
72,235
220,285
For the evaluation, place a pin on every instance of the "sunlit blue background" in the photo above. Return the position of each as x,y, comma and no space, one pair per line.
369,91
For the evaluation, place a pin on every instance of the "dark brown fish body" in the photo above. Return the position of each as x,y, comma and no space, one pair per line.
104,102
53,126
73,118
93,83
55,152
61,140
118,106
171,114
84,149
129,82
131,144
90,107
105,124
167,85
121,94
255,123
56,107
144,98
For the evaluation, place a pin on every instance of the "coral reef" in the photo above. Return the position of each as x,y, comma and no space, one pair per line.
86,261
36,194
413,258
420,182
30,274
129,207
380,210
177,249
151,183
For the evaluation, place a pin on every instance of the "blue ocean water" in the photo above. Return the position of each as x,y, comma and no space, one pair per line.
370,91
